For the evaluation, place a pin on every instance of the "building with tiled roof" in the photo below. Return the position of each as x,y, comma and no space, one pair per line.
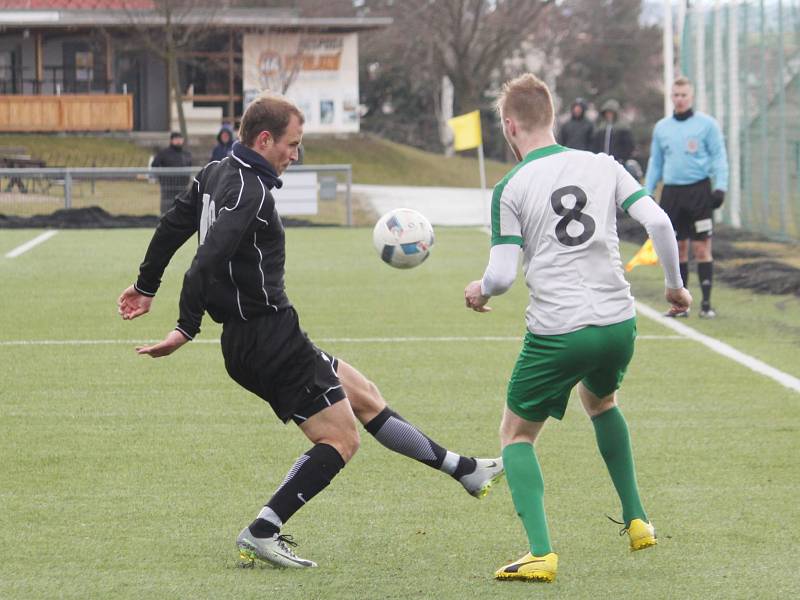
106,47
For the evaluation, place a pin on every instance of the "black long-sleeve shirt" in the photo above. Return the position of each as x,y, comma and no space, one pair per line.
238,271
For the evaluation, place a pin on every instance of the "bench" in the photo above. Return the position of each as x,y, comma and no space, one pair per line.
21,161
13,151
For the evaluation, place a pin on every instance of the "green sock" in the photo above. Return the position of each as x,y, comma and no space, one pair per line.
527,490
614,443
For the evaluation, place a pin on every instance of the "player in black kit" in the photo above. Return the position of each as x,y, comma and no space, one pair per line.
237,277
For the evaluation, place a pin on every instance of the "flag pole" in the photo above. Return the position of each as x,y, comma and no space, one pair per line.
482,169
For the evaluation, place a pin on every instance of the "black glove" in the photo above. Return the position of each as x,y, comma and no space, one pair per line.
717,198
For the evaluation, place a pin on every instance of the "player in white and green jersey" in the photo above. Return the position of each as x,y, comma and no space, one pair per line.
559,206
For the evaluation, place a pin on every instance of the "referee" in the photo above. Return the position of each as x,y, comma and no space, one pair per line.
237,276
687,153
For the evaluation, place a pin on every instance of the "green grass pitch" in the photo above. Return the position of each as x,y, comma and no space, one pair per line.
128,477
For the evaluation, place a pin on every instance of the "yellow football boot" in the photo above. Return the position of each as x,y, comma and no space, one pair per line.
531,568
641,534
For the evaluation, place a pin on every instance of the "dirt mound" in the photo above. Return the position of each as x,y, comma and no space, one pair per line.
94,217
741,259
766,276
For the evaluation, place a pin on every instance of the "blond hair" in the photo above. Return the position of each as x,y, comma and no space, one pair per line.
268,112
681,81
527,99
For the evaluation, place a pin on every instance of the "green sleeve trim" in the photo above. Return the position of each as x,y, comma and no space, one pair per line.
633,198
498,192
506,239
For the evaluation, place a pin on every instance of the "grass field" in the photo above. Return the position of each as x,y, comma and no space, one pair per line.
127,477
374,160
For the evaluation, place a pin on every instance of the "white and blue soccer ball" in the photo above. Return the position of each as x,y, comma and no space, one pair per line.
403,238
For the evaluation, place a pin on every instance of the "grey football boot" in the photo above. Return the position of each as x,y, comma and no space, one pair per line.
274,550
487,472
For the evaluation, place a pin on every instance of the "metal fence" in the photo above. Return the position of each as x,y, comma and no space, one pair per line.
744,58
139,191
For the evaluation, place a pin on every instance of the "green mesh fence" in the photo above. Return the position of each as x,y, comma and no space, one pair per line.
744,58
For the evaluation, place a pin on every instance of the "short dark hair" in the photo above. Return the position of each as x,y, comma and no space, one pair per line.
175,134
269,112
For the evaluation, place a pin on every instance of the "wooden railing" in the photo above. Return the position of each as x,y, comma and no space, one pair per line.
71,112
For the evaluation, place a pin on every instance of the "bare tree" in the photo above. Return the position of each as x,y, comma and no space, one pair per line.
168,30
466,40
469,42
613,55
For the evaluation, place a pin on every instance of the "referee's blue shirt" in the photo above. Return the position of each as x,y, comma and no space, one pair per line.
688,151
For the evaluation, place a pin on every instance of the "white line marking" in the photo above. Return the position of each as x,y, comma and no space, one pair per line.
752,363
31,243
375,340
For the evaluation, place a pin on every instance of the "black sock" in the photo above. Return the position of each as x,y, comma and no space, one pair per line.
308,476
400,436
705,271
261,528
466,465
684,267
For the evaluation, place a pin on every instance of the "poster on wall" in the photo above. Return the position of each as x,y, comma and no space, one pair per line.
319,72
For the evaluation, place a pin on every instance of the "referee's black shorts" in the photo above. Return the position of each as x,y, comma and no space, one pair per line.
690,208
273,358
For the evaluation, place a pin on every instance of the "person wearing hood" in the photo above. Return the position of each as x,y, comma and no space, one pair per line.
225,139
173,155
237,276
576,133
611,136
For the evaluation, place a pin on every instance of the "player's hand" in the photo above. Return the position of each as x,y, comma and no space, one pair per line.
132,304
474,299
174,340
679,298
717,198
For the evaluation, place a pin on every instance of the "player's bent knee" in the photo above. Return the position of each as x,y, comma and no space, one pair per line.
372,397
359,389
351,443
595,405
365,399
598,408
346,443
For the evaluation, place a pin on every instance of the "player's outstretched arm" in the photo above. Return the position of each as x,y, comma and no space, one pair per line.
497,279
132,304
679,299
659,228
474,299
174,340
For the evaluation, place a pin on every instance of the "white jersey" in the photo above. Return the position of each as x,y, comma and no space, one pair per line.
560,206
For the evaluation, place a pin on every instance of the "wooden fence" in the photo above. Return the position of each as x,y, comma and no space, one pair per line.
71,112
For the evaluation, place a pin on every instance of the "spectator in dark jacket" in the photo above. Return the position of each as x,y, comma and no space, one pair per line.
577,132
172,156
225,139
611,135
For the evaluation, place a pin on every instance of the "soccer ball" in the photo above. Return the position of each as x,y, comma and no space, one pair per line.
403,238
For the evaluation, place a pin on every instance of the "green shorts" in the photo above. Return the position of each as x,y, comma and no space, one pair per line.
549,366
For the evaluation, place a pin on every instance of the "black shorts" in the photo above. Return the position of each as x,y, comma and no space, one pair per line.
273,358
690,208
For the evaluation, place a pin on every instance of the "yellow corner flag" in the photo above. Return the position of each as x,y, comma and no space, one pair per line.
466,130
645,256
